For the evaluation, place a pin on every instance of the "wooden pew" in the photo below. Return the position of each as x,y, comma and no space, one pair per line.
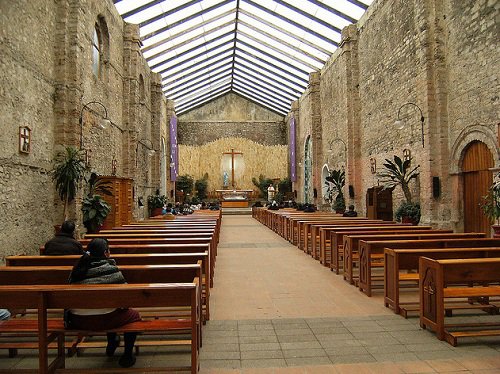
130,259
334,253
442,280
398,261
377,243
154,238
44,297
307,229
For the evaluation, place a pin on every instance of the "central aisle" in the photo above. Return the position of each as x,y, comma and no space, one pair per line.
260,275
275,310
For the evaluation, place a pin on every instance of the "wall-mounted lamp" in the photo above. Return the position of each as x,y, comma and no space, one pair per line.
151,150
103,122
373,165
399,123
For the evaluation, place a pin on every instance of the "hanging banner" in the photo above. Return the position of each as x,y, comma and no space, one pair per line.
291,150
174,155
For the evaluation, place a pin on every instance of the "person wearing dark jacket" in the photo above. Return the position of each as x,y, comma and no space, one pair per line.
64,243
95,267
351,212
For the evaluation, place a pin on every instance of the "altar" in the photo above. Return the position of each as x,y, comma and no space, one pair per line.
234,198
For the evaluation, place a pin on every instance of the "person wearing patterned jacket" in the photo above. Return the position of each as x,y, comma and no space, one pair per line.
95,267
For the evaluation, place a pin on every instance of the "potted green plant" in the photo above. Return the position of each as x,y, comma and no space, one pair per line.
201,186
491,207
184,184
335,182
94,208
400,173
262,184
156,203
69,170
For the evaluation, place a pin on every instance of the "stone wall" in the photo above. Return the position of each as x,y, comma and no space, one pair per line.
270,161
231,116
232,122
47,79
442,56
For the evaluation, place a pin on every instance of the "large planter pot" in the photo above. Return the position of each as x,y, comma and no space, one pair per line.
92,227
409,220
156,212
496,231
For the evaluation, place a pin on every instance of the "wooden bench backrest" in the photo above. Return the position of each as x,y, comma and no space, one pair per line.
374,240
459,271
156,235
407,259
436,243
121,259
99,295
174,246
26,275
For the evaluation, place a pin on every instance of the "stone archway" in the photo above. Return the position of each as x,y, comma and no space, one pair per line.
469,134
308,170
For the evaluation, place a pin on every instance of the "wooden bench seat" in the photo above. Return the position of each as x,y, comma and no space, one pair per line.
398,261
438,280
43,298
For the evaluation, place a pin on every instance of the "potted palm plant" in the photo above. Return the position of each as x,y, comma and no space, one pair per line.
156,203
400,173
94,208
491,206
69,170
335,184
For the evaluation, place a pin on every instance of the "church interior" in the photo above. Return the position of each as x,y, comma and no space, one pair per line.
389,106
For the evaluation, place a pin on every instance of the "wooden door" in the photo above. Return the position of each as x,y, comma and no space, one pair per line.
477,179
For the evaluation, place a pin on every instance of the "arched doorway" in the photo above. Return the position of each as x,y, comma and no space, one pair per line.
308,170
477,179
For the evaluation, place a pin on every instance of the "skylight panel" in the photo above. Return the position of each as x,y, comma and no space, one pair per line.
270,64
198,88
188,66
346,7
303,34
258,92
271,71
254,70
182,109
259,101
175,87
279,50
205,92
177,80
259,82
192,86
285,70
265,90
289,38
211,48
260,96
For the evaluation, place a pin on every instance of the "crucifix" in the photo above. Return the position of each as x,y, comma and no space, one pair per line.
232,153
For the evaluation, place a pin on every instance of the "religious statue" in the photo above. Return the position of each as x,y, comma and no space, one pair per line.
270,193
225,179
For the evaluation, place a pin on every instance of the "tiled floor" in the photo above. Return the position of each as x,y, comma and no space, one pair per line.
276,310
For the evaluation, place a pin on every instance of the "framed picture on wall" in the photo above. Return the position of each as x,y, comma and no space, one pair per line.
24,139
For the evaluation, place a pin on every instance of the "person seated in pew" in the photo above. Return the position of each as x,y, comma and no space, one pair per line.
273,206
64,242
351,212
95,267
4,314
309,208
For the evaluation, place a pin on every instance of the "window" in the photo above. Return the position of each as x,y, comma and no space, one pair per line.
96,51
